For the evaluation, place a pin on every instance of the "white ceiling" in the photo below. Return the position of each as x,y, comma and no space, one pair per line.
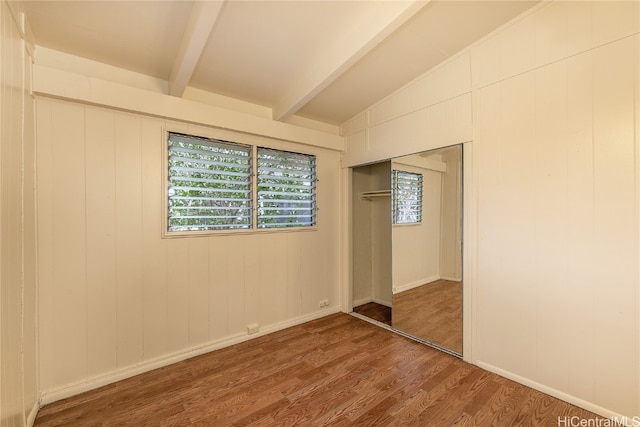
324,60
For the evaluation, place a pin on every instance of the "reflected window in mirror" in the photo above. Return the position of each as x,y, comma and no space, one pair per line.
406,197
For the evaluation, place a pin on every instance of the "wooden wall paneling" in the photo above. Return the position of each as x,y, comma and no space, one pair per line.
518,46
46,290
198,290
101,241
273,283
489,218
177,294
252,281
128,238
177,279
29,315
68,355
295,258
516,226
154,253
615,219
12,205
357,144
354,125
613,20
578,26
218,287
551,33
459,115
485,61
279,298
551,243
236,293
580,227
314,269
330,218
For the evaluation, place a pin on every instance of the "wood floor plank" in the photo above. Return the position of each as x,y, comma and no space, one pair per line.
335,371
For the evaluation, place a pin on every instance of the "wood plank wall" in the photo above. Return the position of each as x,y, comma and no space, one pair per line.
552,257
18,382
115,297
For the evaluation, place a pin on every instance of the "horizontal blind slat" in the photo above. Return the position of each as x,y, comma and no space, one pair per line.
209,184
285,181
406,197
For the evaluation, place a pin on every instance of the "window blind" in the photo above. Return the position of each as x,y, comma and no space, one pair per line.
286,189
406,197
209,184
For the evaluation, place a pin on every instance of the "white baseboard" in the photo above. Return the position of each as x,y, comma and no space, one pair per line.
50,396
382,302
599,410
367,300
363,301
31,419
452,279
412,285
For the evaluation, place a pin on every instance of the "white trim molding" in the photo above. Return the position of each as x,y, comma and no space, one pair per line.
50,396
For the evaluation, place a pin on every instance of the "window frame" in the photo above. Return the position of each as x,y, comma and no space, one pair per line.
394,198
313,203
252,141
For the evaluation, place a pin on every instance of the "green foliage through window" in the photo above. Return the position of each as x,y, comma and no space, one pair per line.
406,197
286,189
209,184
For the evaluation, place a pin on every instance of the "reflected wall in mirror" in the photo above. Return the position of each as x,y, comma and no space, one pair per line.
427,253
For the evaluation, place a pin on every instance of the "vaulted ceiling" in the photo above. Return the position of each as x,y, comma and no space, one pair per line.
324,60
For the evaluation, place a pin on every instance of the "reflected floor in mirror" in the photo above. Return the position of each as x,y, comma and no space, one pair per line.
375,311
431,312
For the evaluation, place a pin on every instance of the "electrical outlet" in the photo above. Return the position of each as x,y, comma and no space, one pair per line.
324,303
253,328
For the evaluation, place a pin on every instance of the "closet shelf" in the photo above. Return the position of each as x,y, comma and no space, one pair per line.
377,193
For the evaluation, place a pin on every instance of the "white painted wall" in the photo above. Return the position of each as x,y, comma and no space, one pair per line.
362,289
451,225
371,236
18,382
552,238
115,298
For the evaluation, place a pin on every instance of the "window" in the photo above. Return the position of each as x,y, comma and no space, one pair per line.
286,189
406,197
209,184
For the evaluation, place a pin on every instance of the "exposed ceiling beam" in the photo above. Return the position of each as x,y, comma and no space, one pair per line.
204,15
339,58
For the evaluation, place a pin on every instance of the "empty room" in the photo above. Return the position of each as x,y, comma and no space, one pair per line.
306,213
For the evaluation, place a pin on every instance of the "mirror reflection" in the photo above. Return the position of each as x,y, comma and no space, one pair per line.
426,255
407,245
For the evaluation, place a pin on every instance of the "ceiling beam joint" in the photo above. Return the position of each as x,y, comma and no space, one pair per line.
379,25
202,20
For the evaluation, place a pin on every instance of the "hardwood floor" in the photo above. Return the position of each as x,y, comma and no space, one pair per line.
432,312
375,311
337,371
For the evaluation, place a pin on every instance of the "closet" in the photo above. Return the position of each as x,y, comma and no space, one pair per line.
372,247
407,245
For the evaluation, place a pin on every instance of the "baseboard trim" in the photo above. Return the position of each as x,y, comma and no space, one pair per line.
31,419
415,284
50,396
381,302
599,410
362,301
